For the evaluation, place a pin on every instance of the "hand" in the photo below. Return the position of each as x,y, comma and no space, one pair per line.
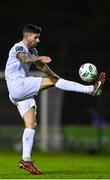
45,59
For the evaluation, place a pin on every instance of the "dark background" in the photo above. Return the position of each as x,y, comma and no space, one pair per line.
74,32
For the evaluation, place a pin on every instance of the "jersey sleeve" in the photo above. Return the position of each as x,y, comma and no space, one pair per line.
19,49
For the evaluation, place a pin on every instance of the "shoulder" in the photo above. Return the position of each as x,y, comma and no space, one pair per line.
18,47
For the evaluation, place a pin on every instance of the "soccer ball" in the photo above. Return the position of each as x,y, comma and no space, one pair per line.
88,72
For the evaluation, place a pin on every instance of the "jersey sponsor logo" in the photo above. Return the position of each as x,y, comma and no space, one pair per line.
19,48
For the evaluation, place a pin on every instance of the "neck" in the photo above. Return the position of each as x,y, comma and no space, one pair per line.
26,43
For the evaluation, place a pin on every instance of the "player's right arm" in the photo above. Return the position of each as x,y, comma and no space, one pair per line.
39,61
24,58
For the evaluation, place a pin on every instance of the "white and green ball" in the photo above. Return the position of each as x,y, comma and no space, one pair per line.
88,72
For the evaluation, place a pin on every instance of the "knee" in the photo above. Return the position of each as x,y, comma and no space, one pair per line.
34,125
54,79
31,124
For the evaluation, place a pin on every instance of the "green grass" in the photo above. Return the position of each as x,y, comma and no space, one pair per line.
57,166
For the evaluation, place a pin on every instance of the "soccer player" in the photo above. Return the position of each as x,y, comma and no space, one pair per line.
22,87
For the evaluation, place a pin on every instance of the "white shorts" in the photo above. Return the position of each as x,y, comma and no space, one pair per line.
24,105
24,88
22,91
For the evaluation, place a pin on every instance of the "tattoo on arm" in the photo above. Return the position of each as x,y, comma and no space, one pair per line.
26,58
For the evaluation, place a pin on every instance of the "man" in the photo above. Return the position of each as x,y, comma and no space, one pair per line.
22,87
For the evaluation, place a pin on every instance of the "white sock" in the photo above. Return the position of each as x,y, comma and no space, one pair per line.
27,140
73,86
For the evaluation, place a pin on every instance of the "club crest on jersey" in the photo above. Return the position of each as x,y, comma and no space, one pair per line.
19,48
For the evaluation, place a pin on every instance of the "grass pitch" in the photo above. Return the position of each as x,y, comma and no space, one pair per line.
57,166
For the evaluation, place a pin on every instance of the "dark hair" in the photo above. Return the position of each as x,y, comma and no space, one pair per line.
31,29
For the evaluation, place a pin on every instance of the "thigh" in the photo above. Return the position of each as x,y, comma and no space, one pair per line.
47,82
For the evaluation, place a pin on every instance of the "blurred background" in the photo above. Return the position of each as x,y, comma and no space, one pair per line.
74,32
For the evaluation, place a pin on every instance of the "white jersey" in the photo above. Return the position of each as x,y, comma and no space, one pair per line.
22,87
15,69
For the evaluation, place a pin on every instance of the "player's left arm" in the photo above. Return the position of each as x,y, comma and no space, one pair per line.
42,66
